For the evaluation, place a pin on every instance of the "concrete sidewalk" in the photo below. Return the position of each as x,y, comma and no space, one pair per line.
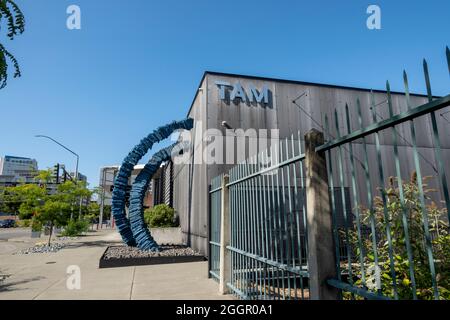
44,276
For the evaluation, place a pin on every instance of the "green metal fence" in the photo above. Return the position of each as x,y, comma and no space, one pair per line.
214,225
267,209
397,246
390,225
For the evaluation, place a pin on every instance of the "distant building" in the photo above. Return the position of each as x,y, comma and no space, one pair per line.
106,184
17,169
160,189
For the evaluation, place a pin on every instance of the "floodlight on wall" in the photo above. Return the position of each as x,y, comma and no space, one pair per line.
226,125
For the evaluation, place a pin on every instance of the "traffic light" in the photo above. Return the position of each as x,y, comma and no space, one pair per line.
63,167
56,173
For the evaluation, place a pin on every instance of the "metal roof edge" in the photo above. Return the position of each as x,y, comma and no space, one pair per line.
236,75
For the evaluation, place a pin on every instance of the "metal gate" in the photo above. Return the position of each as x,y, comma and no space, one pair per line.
268,227
214,227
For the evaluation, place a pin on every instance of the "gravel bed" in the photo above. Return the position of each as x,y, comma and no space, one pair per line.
43,248
3,277
120,252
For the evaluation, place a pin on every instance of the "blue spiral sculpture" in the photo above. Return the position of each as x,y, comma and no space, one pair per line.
121,181
142,236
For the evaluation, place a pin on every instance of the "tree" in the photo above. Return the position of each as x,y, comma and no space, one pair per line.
93,212
25,199
7,204
52,213
44,177
50,207
15,22
73,193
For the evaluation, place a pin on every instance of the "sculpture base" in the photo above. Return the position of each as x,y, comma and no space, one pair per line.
124,256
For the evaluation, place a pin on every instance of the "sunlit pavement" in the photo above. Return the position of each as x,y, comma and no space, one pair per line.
45,275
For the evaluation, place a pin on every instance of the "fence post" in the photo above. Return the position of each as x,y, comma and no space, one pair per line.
208,223
321,257
225,231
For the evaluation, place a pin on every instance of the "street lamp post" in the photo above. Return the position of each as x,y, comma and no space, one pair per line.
60,144
76,167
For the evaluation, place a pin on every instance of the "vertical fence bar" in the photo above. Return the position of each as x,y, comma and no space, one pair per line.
256,223
329,167
269,242
370,202
259,228
290,222
214,228
293,210
242,245
245,214
250,232
244,231
250,226
232,230
280,215
256,271
261,225
273,161
285,233
402,197
210,224
383,197
421,194
356,202
224,237
343,201
267,230
437,144
238,228
270,210
241,226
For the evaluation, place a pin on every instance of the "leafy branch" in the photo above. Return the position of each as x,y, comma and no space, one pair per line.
15,23
408,263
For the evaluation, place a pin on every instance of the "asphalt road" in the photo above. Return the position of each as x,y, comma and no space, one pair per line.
11,233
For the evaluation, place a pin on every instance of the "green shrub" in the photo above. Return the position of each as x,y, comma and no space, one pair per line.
24,223
394,217
75,228
36,225
160,216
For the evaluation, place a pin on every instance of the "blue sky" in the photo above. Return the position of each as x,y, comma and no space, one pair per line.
136,65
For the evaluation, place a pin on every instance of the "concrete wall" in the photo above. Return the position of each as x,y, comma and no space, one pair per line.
191,180
167,235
